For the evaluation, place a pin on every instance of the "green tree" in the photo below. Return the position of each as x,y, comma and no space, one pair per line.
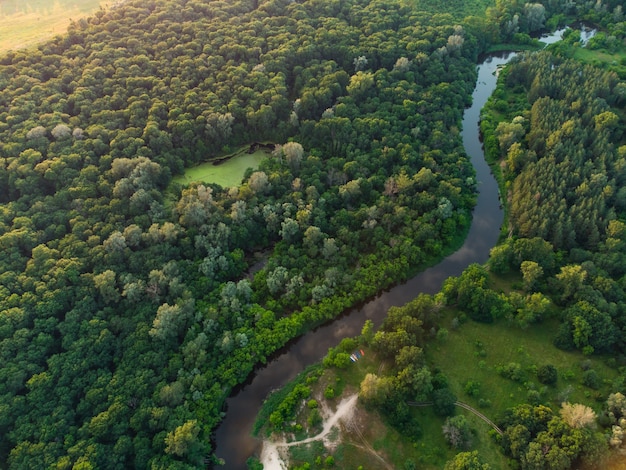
467,461
443,401
457,432
547,374
182,441
532,273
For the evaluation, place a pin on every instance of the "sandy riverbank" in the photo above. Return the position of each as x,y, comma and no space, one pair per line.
271,457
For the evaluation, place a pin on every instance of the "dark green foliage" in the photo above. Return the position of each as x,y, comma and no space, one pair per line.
443,401
566,129
254,464
127,314
547,374
472,294
401,417
591,379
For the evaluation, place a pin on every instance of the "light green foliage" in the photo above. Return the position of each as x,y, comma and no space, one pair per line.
375,389
532,273
509,134
467,461
360,83
125,314
181,441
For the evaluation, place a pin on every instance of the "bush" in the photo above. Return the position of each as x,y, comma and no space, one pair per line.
533,397
591,379
472,388
314,418
329,392
547,374
254,464
512,371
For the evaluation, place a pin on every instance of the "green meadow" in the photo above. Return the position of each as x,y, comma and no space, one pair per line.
26,23
474,352
226,174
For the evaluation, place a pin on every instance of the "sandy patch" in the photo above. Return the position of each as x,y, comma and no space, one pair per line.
271,458
270,455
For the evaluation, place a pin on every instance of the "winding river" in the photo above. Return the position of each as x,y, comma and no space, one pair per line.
233,441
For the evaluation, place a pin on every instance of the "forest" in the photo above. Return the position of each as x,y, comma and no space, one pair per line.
553,288
128,311
554,131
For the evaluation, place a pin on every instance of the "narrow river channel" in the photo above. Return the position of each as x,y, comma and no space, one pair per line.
233,441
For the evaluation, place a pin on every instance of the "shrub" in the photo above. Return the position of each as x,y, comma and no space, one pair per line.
533,397
472,388
512,371
314,418
591,379
547,374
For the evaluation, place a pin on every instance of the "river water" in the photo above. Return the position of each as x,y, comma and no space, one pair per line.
233,441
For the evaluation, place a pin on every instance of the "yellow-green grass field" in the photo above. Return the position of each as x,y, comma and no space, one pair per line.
25,23
226,174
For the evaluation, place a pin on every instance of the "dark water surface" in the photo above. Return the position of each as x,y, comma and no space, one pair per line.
233,441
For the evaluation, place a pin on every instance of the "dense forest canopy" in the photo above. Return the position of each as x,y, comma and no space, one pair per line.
127,316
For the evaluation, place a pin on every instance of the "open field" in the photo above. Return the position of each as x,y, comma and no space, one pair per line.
474,351
26,23
600,58
226,174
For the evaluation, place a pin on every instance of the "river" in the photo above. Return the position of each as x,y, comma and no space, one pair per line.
233,441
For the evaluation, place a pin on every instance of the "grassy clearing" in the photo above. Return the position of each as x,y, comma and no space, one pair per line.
26,23
475,351
603,59
226,174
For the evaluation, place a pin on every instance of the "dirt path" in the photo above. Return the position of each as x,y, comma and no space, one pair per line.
465,406
271,457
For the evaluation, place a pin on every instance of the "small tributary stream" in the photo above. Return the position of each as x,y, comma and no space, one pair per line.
233,440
